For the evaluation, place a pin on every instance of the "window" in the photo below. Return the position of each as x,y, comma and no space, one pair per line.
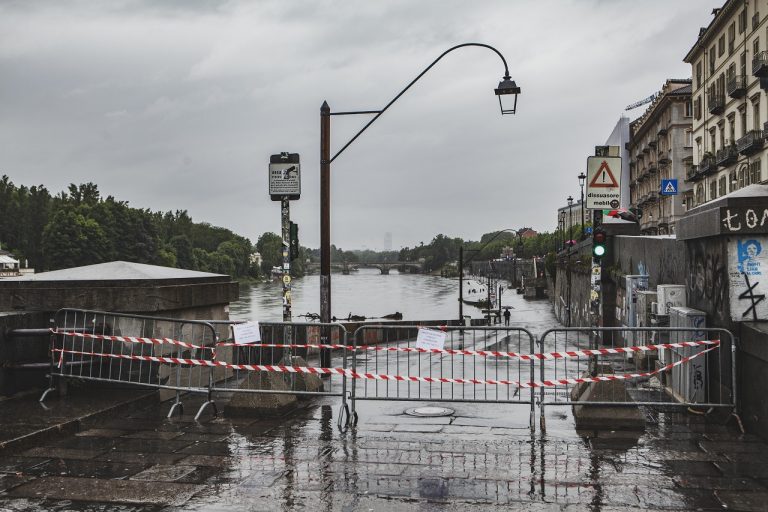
731,38
756,47
756,116
743,64
754,172
697,108
732,181
700,194
688,138
731,130
755,20
721,186
688,108
742,20
711,60
712,189
742,176
721,46
744,122
712,139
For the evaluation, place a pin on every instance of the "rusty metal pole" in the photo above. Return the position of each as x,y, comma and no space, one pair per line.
325,228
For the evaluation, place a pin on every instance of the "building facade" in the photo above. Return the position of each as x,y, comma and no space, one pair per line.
729,64
660,148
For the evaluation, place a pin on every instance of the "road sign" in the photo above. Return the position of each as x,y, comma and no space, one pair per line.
603,182
284,176
669,187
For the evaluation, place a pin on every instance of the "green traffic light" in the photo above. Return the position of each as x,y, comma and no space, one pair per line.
599,250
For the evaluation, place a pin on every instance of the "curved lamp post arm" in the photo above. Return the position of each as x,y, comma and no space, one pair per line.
379,112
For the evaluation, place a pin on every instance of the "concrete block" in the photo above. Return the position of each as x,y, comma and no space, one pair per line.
261,404
605,416
305,381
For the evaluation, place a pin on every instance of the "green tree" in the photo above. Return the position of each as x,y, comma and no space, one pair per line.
270,246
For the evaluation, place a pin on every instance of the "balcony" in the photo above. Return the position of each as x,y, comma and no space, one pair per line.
726,156
750,143
692,174
737,86
760,64
765,129
716,103
707,165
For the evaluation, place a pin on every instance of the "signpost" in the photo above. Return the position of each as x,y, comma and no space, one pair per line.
603,182
284,185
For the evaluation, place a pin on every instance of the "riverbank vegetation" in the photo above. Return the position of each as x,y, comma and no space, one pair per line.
80,227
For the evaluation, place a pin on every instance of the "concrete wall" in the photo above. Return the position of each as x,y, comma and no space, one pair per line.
16,349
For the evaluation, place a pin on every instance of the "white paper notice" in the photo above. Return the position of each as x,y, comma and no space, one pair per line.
246,333
430,339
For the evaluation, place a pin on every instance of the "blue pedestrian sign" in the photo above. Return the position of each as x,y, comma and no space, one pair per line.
669,187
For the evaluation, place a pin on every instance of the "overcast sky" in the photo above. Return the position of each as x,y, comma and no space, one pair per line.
178,105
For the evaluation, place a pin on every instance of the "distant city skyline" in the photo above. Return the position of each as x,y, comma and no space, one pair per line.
178,105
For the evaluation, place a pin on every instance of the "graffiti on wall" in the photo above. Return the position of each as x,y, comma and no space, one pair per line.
748,273
706,282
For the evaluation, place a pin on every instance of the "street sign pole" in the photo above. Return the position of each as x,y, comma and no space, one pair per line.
285,209
284,185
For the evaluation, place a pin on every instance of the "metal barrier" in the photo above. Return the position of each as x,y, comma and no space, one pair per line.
295,352
478,364
134,350
669,366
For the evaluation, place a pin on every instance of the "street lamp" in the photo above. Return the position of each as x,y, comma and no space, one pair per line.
570,221
507,87
582,181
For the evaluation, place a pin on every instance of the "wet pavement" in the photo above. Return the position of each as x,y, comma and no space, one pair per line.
482,456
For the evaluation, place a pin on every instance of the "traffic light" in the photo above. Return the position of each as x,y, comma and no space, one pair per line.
599,239
294,241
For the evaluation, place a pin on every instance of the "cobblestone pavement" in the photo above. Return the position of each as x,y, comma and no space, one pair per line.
391,461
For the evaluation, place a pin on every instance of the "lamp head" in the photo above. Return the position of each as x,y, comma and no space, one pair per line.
507,87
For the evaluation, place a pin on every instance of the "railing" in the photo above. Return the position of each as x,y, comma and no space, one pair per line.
751,142
706,165
737,86
760,64
716,103
726,156
692,174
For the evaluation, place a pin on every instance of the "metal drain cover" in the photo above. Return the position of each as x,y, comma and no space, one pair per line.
430,412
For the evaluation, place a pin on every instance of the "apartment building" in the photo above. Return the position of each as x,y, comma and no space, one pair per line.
660,148
729,65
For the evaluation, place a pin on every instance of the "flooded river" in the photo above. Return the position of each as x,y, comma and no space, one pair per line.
365,293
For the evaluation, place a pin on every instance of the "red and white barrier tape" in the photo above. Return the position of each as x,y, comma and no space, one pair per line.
133,339
464,352
487,353
374,376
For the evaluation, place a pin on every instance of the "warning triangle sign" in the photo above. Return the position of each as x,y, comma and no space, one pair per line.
604,177
670,188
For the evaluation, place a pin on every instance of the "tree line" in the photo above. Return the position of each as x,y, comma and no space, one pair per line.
80,227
